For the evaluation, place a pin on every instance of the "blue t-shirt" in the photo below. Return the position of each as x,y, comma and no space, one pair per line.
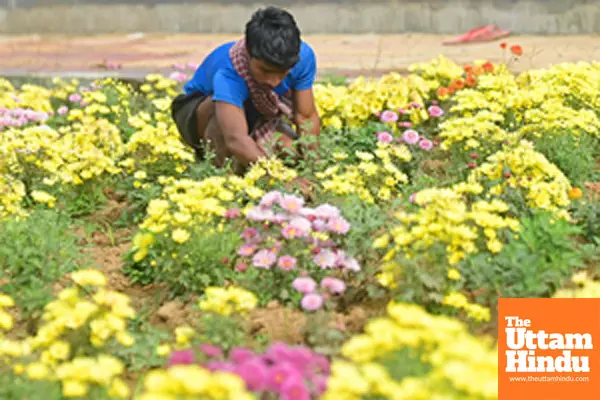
216,76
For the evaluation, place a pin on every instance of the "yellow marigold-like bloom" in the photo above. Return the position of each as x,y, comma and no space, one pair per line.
89,277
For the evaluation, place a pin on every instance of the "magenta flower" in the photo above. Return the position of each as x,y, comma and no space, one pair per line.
312,302
304,284
435,111
334,285
338,225
294,389
388,116
291,203
181,357
246,250
425,144
287,262
402,111
216,365
210,350
385,137
405,124
232,213
62,110
279,373
410,136
269,199
411,198
264,259
325,259
254,373
240,354
415,105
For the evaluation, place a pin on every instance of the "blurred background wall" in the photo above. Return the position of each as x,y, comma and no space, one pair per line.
314,16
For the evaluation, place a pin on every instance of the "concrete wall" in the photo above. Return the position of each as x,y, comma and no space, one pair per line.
314,16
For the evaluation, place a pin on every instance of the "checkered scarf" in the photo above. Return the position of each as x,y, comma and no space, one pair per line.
271,106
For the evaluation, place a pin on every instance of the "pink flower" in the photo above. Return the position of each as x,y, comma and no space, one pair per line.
312,302
179,67
287,262
338,225
415,105
294,389
302,224
254,373
232,213
241,267
402,111
62,110
388,116
319,225
325,259
410,136
264,259
350,263
246,250
178,76
411,198
385,137
192,65
435,111
75,98
269,199
405,124
291,203
181,357
326,211
260,214
210,350
333,285
304,284
291,232
249,233
425,144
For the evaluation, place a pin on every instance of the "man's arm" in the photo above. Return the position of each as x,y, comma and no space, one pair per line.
232,122
305,111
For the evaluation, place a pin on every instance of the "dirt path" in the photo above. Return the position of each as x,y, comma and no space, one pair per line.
348,54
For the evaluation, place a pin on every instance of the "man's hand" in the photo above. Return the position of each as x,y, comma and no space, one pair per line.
305,111
233,126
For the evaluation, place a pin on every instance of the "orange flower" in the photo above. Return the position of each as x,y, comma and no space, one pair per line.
457,84
575,193
468,68
516,50
441,92
488,67
478,71
471,81
503,45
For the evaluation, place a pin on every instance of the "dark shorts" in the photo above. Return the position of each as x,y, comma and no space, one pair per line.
183,112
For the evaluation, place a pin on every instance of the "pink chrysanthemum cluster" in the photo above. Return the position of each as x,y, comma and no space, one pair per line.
292,372
312,299
282,229
18,117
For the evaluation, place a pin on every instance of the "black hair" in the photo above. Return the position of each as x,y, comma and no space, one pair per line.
273,37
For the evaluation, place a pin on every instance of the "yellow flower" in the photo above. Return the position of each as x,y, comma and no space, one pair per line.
89,277
180,235
74,388
453,274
